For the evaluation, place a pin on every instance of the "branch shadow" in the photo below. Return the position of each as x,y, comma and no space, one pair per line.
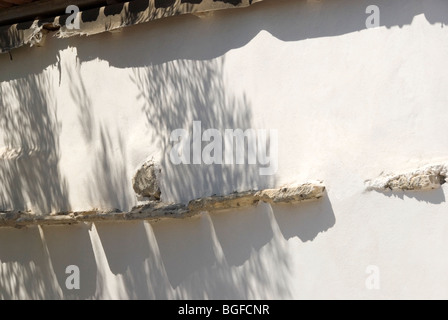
178,82
230,255
80,94
160,50
223,255
25,270
72,246
108,182
128,250
175,94
29,131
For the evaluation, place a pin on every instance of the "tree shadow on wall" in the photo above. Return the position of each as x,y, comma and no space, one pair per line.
71,245
218,262
25,268
219,255
172,96
242,232
29,163
129,252
153,49
182,259
108,182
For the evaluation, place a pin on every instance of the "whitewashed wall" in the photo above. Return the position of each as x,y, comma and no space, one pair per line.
349,103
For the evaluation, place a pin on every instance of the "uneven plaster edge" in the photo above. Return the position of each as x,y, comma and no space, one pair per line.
155,210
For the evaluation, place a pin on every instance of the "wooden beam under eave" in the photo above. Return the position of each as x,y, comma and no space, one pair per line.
5,4
18,2
43,9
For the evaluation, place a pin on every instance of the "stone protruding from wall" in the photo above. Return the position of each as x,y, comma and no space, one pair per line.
156,210
145,181
291,194
426,178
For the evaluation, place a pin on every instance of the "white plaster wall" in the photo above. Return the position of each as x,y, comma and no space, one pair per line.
348,102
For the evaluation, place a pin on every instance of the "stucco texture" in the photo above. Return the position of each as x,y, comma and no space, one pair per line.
84,113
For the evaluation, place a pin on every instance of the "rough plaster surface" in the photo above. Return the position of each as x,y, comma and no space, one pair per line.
145,181
348,103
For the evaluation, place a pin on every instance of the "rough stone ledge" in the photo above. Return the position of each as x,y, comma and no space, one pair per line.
426,178
156,210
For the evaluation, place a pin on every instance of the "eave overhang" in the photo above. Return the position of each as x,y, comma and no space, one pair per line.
34,20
